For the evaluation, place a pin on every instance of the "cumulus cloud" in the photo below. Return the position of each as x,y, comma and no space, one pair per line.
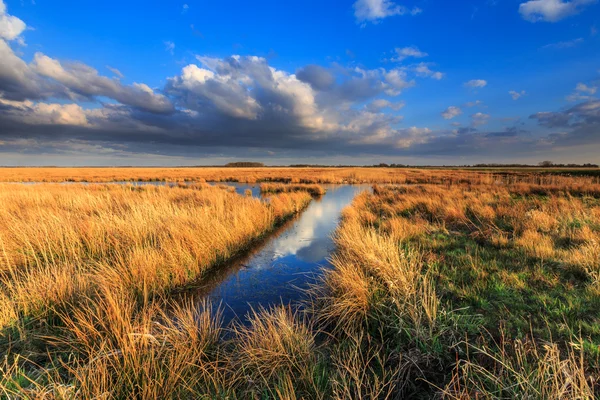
551,10
516,95
85,81
451,112
476,83
316,76
240,105
10,27
44,113
376,10
406,52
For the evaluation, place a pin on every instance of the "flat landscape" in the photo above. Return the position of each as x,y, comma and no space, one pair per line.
300,200
463,284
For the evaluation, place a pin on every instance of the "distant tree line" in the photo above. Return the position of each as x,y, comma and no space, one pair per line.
543,164
245,164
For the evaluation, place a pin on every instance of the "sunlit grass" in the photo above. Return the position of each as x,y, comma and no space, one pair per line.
454,291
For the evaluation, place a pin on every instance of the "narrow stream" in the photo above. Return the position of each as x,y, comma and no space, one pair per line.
278,269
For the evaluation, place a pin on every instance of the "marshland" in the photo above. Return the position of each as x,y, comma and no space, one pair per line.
471,285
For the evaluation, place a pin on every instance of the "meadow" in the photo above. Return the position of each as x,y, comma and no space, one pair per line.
466,285
307,175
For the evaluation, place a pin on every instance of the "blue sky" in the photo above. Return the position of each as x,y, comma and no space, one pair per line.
354,82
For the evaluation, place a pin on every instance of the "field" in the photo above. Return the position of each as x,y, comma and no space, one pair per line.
300,175
462,284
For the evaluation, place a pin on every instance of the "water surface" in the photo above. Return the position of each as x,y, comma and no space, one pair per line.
278,269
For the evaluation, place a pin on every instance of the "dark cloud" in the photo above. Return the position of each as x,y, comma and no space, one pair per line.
241,105
316,76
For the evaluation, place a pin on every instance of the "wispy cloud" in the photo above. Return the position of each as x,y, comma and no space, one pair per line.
564,44
115,71
169,46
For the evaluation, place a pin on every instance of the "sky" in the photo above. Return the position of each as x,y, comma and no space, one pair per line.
354,82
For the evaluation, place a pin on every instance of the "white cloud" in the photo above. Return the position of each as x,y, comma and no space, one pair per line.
10,27
479,119
376,10
397,81
451,112
423,70
516,95
476,83
405,52
581,87
185,8
85,80
582,92
413,136
551,10
247,87
45,113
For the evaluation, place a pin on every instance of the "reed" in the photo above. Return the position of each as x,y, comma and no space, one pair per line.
61,242
458,290
423,271
314,190
312,175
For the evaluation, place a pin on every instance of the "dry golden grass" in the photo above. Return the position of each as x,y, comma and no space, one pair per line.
61,242
314,190
275,349
308,175
83,277
383,302
525,370
85,273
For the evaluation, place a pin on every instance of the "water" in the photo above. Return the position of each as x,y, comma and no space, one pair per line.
240,188
288,261
278,269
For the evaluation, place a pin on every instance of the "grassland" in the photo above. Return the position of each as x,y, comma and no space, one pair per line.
308,175
84,267
467,292
314,190
466,288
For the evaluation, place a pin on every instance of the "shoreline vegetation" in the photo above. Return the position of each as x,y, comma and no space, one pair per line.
81,266
305,175
465,288
314,190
